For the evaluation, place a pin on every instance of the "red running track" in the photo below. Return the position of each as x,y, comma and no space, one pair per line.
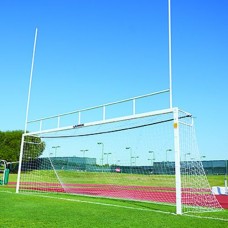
223,200
146,193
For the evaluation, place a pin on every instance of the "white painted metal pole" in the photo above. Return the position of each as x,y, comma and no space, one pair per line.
170,56
226,189
177,162
26,118
30,82
20,165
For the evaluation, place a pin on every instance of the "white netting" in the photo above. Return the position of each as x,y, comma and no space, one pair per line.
196,191
132,159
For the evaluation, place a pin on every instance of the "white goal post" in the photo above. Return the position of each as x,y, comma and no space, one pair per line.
149,156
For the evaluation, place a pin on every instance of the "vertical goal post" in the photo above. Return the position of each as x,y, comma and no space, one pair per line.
177,161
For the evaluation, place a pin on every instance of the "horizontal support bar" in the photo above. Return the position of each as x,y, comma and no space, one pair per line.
100,106
124,118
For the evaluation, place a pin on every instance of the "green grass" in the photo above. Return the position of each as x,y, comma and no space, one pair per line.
216,180
116,178
61,210
18,210
103,178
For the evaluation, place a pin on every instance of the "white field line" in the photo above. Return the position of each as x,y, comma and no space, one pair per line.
6,191
132,208
204,217
105,204
121,206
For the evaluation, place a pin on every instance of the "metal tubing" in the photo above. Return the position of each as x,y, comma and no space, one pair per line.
30,82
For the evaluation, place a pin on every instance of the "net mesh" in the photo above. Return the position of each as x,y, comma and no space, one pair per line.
132,159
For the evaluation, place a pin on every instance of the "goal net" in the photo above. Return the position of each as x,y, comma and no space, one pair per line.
152,157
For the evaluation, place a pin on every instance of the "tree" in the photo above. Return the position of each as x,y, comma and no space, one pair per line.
10,143
34,147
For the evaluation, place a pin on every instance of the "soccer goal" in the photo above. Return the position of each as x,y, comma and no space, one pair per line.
143,156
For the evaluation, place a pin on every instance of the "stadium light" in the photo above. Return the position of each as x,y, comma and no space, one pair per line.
102,154
151,159
129,148
55,147
202,157
107,156
135,159
83,151
186,156
168,150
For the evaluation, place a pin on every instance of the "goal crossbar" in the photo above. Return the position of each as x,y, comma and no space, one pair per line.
106,121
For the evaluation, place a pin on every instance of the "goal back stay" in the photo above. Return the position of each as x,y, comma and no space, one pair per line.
149,156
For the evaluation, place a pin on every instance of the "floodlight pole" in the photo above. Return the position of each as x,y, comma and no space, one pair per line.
55,147
129,148
168,150
170,56
107,156
152,159
30,82
102,155
83,151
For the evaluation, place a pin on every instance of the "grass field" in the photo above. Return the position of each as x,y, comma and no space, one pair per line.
113,178
60,210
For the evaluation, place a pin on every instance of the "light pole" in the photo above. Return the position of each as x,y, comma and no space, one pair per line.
102,154
168,150
83,151
107,156
186,156
152,159
129,148
135,159
55,147
202,157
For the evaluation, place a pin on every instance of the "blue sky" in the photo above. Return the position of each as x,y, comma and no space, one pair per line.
94,52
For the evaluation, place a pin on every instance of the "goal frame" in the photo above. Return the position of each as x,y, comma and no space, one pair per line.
176,139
